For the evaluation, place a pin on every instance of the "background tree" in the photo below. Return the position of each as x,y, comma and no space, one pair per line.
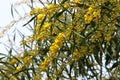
71,40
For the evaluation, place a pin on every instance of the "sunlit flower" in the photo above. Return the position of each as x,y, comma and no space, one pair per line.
26,61
46,25
19,68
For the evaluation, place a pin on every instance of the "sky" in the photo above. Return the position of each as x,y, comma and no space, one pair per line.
6,18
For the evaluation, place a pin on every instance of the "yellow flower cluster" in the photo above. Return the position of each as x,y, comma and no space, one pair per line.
28,40
13,78
13,61
46,26
96,36
40,18
44,65
76,1
35,11
18,68
93,13
56,45
52,51
27,61
52,8
41,33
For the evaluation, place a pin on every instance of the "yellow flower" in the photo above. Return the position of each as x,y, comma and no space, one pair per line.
95,14
38,9
13,61
31,12
51,6
19,68
76,1
60,36
88,19
13,78
90,9
40,16
66,6
37,28
58,42
46,25
23,42
53,48
44,65
26,61
40,36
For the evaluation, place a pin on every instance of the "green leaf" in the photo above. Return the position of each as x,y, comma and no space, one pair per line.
12,10
78,34
30,20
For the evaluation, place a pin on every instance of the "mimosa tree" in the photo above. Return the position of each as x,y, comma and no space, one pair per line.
71,40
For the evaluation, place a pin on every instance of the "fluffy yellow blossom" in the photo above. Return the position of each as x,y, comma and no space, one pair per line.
26,61
37,27
31,12
53,48
60,36
58,42
66,5
37,9
23,42
90,9
56,45
44,65
39,36
40,16
76,1
93,13
46,25
51,6
96,36
12,78
88,19
13,61
19,68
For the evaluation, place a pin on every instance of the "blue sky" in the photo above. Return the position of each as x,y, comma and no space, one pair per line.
6,18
